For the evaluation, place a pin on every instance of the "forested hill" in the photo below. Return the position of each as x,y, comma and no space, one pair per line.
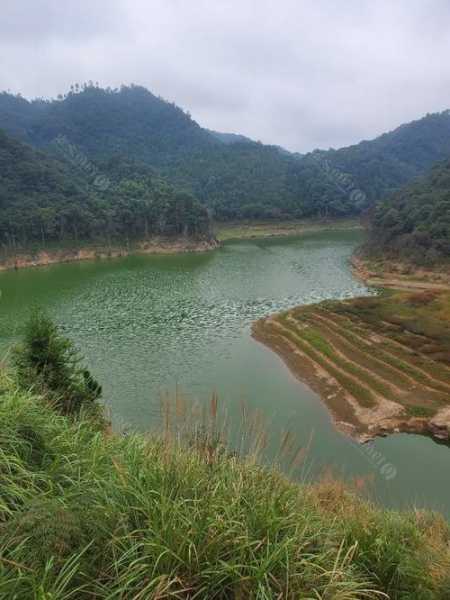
43,199
395,158
244,178
235,176
414,223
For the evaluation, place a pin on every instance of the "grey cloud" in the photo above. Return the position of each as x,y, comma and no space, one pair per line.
35,21
297,73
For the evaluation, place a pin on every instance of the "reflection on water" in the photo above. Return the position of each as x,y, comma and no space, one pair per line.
147,324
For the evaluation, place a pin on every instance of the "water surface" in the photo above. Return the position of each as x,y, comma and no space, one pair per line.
147,324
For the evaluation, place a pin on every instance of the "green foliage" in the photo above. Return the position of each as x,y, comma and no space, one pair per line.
414,223
232,175
389,545
43,200
49,363
137,517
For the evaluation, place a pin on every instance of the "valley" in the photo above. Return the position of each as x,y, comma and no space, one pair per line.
224,300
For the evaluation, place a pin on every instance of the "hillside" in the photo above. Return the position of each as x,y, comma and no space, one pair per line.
235,176
133,123
413,225
395,158
43,200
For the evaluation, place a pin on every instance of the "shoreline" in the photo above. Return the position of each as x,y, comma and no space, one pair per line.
307,373
163,245
254,230
397,275
363,388
160,246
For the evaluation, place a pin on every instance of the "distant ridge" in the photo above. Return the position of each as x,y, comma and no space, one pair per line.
231,174
229,138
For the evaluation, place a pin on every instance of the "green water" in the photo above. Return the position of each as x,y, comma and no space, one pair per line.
147,324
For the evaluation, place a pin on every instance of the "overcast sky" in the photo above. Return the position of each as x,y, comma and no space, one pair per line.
299,73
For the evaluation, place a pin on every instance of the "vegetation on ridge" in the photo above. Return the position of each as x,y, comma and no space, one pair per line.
239,180
413,225
91,516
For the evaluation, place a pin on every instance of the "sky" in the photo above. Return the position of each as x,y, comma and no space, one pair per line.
300,74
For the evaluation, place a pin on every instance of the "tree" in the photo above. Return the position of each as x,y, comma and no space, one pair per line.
49,363
414,223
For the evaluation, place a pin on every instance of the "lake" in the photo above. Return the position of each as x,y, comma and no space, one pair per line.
149,325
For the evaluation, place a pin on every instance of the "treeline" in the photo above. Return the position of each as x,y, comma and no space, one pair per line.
233,176
414,223
43,199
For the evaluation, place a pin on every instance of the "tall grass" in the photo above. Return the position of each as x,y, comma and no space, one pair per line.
84,514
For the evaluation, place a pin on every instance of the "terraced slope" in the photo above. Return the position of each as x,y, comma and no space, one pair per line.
381,364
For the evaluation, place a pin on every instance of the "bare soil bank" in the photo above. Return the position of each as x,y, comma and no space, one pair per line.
43,257
380,364
166,245
394,274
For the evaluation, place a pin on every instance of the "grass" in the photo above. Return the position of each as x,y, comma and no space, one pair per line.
392,354
84,514
350,345
419,321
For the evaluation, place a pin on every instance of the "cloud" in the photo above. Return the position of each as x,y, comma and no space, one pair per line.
295,73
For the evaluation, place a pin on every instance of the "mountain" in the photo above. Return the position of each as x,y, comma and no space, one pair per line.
234,176
395,158
134,123
414,223
43,199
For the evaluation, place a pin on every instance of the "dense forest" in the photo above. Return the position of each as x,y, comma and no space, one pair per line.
414,223
230,174
43,199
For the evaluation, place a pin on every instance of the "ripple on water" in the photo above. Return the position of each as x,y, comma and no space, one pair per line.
146,324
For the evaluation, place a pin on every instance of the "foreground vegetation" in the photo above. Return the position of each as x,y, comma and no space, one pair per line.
89,514
381,363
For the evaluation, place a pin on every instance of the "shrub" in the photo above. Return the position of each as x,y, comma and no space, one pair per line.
49,363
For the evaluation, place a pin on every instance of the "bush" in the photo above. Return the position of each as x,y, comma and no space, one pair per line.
49,363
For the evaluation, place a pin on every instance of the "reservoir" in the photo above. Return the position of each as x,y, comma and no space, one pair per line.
151,325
